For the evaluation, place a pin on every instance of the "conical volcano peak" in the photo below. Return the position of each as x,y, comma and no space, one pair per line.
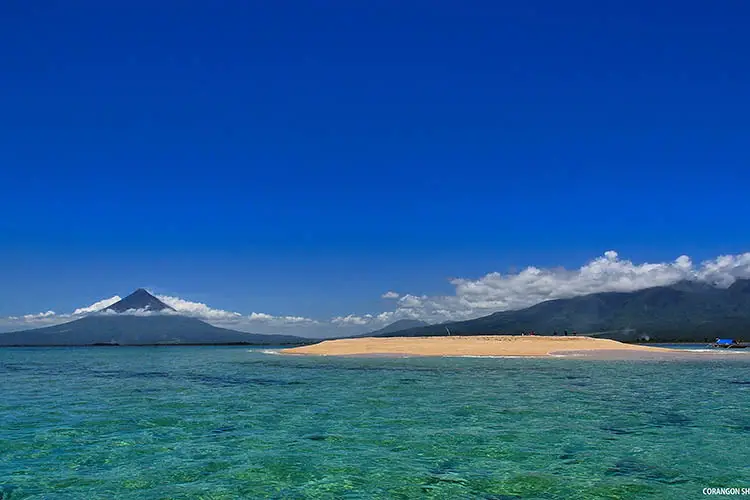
139,300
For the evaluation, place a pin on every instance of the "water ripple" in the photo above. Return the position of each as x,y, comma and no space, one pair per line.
228,423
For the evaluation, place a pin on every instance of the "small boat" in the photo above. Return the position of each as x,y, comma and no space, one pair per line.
728,344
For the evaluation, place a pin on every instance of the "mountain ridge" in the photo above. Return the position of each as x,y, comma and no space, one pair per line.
396,326
161,325
685,311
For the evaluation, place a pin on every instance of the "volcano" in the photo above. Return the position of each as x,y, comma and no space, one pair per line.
140,319
140,300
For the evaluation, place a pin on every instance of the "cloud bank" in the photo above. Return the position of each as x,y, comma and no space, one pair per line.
472,297
197,309
608,273
97,306
495,292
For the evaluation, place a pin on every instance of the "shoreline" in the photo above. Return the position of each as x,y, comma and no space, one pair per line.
493,346
228,344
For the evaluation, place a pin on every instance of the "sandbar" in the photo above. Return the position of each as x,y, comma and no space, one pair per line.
484,345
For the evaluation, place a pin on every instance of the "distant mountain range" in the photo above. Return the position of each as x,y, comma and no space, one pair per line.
117,325
686,311
396,326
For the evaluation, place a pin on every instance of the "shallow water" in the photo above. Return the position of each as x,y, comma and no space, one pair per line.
702,347
228,422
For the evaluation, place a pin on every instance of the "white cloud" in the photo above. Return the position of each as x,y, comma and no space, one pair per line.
279,320
608,273
725,269
39,316
390,295
352,319
204,312
411,301
260,317
97,306
354,324
51,317
35,320
297,319
234,319
198,309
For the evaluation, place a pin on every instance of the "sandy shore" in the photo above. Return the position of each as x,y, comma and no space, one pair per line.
490,345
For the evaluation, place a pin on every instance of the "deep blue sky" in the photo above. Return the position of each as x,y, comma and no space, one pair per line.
304,157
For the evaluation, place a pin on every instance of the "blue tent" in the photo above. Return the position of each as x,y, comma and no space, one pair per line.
724,342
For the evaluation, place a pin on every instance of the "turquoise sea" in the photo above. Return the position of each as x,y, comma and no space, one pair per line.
233,422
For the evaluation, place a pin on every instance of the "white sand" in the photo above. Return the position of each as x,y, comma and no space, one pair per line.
489,345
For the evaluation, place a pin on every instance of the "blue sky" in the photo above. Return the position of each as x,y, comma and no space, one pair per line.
300,160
